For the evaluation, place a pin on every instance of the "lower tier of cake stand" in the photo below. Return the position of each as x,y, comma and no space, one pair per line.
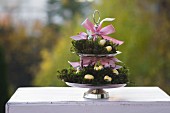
95,92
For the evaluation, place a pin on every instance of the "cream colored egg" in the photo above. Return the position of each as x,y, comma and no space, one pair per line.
96,68
107,78
100,67
78,71
115,71
89,77
102,42
109,48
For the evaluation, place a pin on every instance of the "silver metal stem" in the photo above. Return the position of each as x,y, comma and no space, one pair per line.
96,94
81,61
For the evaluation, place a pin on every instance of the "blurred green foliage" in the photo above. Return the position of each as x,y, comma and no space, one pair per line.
3,81
57,59
23,43
142,25
22,52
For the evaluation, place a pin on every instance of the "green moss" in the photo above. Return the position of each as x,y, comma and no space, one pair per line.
70,75
92,47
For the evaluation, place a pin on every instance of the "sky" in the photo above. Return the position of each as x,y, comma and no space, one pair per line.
24,10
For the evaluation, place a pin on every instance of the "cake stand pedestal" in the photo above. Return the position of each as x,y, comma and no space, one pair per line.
95,92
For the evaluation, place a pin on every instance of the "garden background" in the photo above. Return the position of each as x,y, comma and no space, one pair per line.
35,40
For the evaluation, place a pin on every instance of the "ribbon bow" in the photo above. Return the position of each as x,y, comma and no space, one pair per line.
97,31
105,61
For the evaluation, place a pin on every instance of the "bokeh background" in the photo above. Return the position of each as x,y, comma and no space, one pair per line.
35,40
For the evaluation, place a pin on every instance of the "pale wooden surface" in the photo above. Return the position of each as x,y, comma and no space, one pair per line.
70,100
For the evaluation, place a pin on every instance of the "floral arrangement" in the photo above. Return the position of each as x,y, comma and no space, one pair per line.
98,64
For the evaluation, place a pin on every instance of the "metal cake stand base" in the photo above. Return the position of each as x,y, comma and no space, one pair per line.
96,94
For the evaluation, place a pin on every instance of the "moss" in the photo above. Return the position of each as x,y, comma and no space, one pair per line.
70,75
92,47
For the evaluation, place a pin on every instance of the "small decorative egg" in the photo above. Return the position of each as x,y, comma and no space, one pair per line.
115,71
102,42
107,78
89,77
78,70
100,67
109,48
97,68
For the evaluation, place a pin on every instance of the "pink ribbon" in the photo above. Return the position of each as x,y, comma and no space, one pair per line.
97,31
105,61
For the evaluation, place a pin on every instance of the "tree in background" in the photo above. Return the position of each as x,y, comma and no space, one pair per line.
64,10
3,82
143,25
57,58
69,11
22,49
160,51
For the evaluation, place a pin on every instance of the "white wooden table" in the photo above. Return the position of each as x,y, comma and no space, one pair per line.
70,100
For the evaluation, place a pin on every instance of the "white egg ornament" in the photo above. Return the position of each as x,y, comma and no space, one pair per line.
78,70
100,67
89,77
109,48
107,78
97,68
102,42
115,71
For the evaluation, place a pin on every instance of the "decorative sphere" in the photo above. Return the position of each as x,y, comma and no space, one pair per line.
78,70
102,42
107,78
100,67
89,77
115,71
96,68
109,48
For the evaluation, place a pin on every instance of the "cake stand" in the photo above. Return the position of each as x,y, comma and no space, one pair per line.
100,55
95,92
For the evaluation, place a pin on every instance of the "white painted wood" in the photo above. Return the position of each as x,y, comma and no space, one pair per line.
70,100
